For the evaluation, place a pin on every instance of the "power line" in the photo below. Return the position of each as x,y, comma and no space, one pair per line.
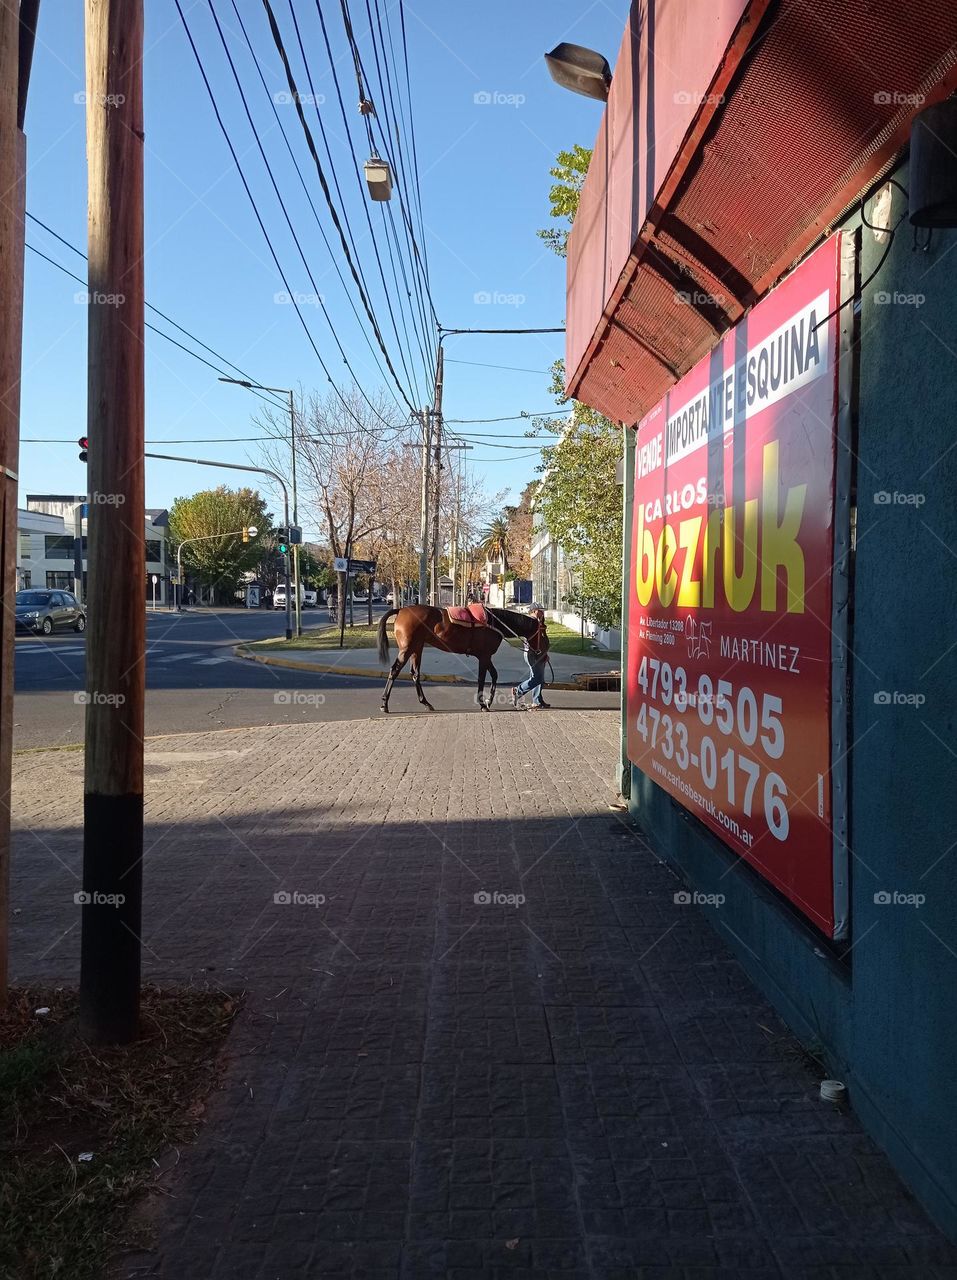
479,364
292,230
342,202
409,230
149,306
359,181
515,417
315,213
262,225
411,132
369,115
270,400
488,443
388,102
281,50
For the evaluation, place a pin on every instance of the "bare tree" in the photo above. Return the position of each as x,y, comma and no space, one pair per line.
341,442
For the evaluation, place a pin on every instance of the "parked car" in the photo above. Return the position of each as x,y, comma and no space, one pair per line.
310,599
43,612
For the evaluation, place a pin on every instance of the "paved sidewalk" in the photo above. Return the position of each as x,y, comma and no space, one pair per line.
437,664
426,1083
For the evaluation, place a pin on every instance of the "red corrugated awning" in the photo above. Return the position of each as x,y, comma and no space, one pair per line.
735,135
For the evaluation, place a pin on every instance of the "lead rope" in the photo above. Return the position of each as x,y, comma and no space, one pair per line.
541,628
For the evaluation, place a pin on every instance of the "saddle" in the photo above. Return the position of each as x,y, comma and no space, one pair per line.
469,615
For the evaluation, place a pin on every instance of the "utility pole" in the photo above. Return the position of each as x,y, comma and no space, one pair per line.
437,479
110,952
17,32
454,571
78,550
295,514
424,524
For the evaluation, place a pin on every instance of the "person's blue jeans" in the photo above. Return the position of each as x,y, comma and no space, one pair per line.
534,681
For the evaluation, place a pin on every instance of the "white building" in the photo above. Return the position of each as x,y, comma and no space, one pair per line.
47,533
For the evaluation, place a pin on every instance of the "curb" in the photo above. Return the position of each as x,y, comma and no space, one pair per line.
290,664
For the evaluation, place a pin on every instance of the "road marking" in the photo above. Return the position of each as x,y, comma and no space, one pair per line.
210,662
179,657
56,649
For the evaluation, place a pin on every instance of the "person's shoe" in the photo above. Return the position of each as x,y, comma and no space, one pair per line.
542,706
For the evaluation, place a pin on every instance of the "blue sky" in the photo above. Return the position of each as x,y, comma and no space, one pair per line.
484,184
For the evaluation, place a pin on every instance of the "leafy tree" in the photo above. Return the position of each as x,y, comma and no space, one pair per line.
579,499
216,516
519,516
569,172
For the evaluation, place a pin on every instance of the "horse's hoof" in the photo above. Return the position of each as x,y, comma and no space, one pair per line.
384,709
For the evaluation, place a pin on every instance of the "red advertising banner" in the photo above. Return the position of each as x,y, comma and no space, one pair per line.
730,627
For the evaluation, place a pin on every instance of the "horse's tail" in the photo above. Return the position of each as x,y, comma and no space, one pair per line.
383,637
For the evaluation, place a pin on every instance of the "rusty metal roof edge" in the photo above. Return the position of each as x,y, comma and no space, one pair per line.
735,53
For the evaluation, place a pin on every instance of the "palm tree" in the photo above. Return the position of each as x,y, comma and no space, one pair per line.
494,540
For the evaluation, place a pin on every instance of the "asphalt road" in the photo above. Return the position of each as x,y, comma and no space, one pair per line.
194,682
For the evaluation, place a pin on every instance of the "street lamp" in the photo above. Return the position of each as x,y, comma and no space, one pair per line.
581,70
284,391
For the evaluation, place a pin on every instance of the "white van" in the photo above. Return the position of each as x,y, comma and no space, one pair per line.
279,596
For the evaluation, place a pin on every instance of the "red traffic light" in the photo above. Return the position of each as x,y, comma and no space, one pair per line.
84,444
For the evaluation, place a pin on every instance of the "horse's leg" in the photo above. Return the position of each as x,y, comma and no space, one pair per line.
494,673
416,669
401,659
480,696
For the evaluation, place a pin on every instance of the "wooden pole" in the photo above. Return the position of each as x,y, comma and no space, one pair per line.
116,599
12,194
437,478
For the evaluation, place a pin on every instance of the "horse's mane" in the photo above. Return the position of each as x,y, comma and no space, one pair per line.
522,624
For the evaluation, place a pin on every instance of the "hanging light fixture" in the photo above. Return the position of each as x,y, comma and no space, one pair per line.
378,178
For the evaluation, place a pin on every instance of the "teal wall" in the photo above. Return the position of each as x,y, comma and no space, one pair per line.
885,1012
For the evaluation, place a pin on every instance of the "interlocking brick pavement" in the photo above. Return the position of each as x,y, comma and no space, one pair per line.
583,1083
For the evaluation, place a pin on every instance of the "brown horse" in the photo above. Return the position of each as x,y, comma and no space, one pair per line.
418,625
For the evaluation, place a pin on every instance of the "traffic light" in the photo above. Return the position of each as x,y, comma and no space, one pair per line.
245,535
282,541
84,444
295,535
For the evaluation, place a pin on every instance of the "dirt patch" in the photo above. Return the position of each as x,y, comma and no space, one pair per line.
84,1129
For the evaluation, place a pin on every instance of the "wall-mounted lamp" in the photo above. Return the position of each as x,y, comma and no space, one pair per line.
933,166
581,70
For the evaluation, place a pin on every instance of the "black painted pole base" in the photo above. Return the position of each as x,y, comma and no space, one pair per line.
111,903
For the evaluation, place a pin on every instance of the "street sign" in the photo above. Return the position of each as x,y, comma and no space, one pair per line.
362,566
340,564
